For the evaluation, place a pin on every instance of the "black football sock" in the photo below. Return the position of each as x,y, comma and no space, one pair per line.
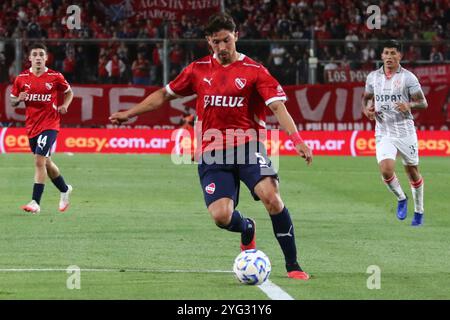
60,183
237,223
38,189
284,232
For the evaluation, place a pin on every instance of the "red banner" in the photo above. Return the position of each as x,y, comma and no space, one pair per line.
158,9
313,107
432,74
327,143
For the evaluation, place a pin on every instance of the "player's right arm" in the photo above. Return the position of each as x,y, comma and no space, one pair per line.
17,96
368,107
15,101
368,103
182,85
153,101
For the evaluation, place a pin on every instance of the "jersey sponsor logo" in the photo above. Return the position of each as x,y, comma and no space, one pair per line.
39,97
207,80
48,85
388,97
223,101
210,188
240,83
27,85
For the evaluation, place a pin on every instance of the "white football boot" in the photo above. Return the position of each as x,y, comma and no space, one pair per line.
32,207
64,200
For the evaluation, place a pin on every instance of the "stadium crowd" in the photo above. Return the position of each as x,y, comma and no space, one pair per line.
115,61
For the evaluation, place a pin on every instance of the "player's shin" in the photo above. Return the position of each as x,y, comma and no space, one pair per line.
394,186
284,232
417,192
60,183
38,189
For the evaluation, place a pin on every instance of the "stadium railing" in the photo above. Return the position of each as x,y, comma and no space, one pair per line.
291,61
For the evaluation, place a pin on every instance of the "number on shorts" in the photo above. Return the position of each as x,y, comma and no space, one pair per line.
413,149
42,141
261,160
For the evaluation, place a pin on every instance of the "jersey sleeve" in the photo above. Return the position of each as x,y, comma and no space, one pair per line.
369,83
182,85
412,84
62,84
269,88
15,90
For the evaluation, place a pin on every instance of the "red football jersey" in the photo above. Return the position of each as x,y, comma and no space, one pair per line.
41,112
231,97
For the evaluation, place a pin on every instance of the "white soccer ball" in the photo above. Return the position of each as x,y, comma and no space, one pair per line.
252,267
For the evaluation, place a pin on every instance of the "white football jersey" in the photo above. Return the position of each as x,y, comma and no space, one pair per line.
399,88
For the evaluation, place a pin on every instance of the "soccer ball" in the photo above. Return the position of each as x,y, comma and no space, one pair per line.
252,267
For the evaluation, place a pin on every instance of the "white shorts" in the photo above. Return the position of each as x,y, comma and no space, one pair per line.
387,148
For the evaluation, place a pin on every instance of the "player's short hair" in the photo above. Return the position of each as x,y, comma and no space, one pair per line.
220,21
392,44
38,45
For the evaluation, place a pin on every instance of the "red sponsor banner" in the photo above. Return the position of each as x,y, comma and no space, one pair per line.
432,74
158,9
435,74
334,107
345,75
326,143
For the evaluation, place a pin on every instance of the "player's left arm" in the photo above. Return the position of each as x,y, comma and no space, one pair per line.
284,118
418,101
68,97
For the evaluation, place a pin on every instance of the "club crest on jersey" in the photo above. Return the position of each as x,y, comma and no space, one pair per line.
48,85
240,83
210,188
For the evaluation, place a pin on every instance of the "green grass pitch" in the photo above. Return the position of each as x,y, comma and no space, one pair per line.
143,219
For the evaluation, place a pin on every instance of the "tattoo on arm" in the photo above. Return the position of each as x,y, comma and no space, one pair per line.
418,101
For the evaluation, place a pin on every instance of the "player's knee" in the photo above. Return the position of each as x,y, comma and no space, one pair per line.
221,217
40,162
273,202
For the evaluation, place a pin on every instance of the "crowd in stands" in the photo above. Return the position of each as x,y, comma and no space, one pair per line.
116,61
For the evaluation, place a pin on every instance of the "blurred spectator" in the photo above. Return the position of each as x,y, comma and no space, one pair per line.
69,65
331,65
102,73
115,68
156,68
436,56
412,55
34,29
176,58
3,68
141,70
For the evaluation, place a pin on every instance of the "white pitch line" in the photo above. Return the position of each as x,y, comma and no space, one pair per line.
111,270
274,292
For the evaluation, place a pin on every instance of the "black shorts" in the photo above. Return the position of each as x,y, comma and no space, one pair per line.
42,143
222,180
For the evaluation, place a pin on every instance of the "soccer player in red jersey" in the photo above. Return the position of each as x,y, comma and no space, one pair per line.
37,87
233,92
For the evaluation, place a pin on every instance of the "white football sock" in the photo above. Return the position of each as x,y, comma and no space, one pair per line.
394,186
417,192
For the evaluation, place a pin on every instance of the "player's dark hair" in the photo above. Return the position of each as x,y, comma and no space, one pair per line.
220,21
392,44
38,45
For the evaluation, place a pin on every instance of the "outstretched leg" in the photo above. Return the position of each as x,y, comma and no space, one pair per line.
226,217
267,190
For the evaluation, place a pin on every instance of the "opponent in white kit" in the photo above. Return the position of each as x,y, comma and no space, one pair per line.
391,93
